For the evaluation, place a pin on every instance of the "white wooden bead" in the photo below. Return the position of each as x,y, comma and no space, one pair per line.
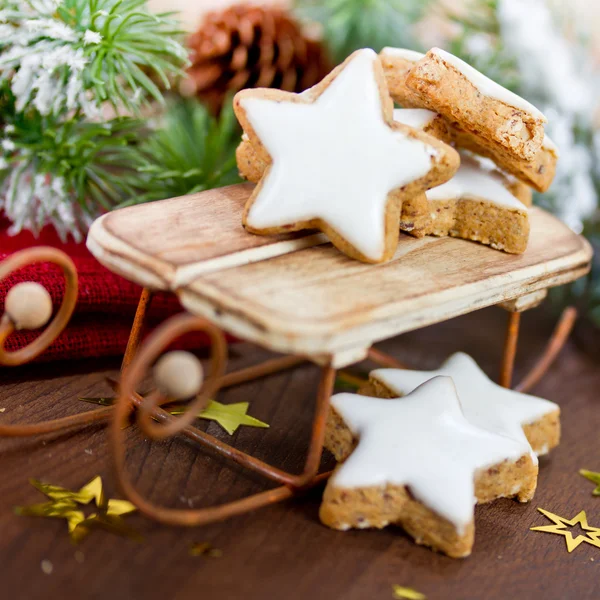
178,375
28,305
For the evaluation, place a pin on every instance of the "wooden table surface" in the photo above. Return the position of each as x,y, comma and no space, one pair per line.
283,551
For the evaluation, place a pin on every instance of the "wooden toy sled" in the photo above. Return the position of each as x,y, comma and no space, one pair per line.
298,295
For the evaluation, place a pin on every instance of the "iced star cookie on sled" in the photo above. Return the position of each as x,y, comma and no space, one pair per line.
414,216
478,204
499,118
417,462
252,167
537,171
533,421
336,161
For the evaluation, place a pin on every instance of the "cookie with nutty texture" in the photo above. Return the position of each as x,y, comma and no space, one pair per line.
421,216
252,167
397,62
503,122
425,120
414,215
338,162
532,420
476,205
418,463
538,172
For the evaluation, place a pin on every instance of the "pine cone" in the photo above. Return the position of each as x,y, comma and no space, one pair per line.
251,46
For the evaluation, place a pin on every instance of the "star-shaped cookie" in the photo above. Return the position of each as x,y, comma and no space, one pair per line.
337,161
533,422
419,463
477,204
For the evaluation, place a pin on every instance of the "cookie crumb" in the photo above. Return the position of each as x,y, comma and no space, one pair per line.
79,556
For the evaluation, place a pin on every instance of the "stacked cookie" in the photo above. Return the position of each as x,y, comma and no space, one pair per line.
419,448
339,159
501,138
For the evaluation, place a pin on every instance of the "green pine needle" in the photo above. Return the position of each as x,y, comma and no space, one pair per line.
352,24
191,151
137,51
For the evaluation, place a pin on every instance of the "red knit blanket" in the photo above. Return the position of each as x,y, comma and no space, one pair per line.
105,307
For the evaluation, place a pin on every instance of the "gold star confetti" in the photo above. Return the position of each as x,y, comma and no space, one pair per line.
406,593
205,549
64,504
594,478
229,416
560,527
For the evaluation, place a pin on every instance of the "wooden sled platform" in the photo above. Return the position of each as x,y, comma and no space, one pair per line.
297,294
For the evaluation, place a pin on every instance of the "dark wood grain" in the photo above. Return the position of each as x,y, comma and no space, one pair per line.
283,551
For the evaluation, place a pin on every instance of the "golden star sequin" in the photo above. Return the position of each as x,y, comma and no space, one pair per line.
229,416
65,503
594,478
561,526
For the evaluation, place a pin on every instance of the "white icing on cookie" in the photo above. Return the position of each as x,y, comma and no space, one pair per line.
473,180
548,144
334,158
410,55
418,118
487,86
489,166
422,441
485,403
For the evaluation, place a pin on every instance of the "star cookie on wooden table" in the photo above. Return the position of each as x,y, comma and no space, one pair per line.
417,462
336,161
533,422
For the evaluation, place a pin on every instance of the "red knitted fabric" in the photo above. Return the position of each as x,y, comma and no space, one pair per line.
105,307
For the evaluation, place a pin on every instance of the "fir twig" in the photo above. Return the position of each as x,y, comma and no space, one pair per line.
64,66
352,24
191,151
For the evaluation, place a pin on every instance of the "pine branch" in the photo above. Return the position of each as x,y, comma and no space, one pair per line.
62,63
191,151
79,54
62,172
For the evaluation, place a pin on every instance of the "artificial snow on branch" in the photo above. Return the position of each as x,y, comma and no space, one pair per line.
62,63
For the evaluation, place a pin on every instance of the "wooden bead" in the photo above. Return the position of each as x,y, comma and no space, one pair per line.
178,375
28,305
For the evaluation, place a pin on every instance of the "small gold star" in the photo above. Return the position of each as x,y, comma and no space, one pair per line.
405,593
64,505
228,416
560,527
594,478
